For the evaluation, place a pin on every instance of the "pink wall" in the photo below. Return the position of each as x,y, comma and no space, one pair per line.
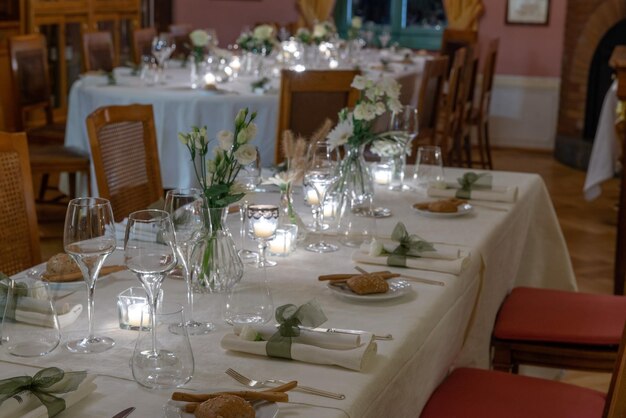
525,50
228,17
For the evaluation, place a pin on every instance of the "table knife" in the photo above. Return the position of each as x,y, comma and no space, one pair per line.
348,331
123,414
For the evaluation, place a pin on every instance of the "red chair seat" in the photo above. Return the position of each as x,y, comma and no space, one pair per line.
475,393
545,315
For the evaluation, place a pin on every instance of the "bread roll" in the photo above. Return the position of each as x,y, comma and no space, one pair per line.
225,406
365,285
61,264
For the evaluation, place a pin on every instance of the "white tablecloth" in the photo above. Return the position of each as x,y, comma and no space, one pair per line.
434,328
604,160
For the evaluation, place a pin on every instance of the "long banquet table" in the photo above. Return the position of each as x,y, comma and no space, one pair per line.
434,328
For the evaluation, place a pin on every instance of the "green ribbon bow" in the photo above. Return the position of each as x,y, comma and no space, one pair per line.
289,318
472,181
45,384
410,246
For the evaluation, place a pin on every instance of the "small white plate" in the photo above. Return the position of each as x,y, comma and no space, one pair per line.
397,288
462,209
173,409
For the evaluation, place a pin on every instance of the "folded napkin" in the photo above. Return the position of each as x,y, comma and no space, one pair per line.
66,316
29,405
406,250
476,187
349,358
330,340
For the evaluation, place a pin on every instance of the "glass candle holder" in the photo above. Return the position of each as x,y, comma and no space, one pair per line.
284,241
382,172
131,303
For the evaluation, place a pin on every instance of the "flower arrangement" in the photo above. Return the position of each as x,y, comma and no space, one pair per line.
355,27
199,41
355,127
323,32
260,41
303,35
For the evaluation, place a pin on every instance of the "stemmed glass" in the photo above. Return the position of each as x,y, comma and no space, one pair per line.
162,48
384,37
249,178
89,237
263,220
150,253
403,126
190,218
320,174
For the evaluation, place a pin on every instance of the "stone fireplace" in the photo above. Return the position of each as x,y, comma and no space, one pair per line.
592,28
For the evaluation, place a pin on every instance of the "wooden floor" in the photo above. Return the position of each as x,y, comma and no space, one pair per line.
588,227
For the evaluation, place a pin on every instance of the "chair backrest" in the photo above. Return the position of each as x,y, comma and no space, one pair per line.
142,43
19,235
615,406
180,36
98,51
489,70
125,157
30,76
455,39
452,109
309,97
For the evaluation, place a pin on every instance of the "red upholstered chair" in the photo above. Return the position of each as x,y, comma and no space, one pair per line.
475,393
554,328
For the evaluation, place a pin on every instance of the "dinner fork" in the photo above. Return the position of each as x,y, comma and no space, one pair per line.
269,382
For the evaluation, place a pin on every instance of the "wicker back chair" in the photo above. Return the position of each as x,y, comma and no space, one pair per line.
98,52
19,236
125,157
308,98
142,43
452,109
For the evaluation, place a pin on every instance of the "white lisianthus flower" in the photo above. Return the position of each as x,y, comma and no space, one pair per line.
183,138
364,111
380,108
376,248
199,38
340,133
226,139
357,22
210,167
249,334
263,32
198,140
250,133
240,116
360,82
245,154
237,188
390,87
319,30
394,105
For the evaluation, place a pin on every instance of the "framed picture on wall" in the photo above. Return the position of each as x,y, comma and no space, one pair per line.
527,12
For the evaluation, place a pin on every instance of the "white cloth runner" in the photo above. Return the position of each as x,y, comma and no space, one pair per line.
31,407
349,358
443,265
499,194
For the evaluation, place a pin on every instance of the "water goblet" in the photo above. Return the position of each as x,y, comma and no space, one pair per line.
428,166
249,178
162,48
190,218
89,238
149,252
403,126
384,37
263,220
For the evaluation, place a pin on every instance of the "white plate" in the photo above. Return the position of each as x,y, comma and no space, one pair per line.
172,409
463,209
36,272
397,288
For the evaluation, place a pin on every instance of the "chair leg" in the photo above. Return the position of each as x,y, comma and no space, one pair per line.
487,144
481,144
72,181
467,143
43,186
502,360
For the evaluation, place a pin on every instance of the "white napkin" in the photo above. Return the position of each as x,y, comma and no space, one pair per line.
443,265
349,358
31,407
65,315
330,340
442,251
496,194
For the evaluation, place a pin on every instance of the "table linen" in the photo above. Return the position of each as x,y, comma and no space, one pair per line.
434,328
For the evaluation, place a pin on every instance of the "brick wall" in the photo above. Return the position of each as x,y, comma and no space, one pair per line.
586,23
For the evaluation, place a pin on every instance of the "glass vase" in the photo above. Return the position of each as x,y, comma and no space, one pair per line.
288,214
217,265
354,184
197,70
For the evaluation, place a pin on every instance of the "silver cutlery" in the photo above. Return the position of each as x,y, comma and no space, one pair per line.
123,414
347,331
411,278
268,383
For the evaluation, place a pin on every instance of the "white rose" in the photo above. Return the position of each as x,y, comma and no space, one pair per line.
380,108
359,82
263,32
364,111
319,30
390,87
248,333
376,248
357,22
394,105
226,139
245,154
199,38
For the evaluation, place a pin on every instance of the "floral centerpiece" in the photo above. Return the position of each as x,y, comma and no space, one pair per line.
355,27
260,41
221,267
199,41
323,32
354,132
303,35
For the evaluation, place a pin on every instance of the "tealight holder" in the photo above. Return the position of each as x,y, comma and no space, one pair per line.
284,241
131,303
262,224
382,172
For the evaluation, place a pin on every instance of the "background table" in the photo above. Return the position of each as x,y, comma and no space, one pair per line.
434,328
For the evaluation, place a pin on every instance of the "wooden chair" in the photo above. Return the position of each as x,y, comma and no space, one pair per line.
429,101
125,157
479,116
553,328
98,52
142,43
180,35
31,87
475,393
19,235
309,97
455,39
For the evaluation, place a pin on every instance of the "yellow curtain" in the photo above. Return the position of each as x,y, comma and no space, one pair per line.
312,11
463,14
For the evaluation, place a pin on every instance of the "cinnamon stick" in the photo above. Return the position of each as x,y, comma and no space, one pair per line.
72,277
248,395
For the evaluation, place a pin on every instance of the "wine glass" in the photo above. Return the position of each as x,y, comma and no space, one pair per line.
249,178
320,174
403,126
89,237
384,37
263,220
150,253
162,48
190,218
